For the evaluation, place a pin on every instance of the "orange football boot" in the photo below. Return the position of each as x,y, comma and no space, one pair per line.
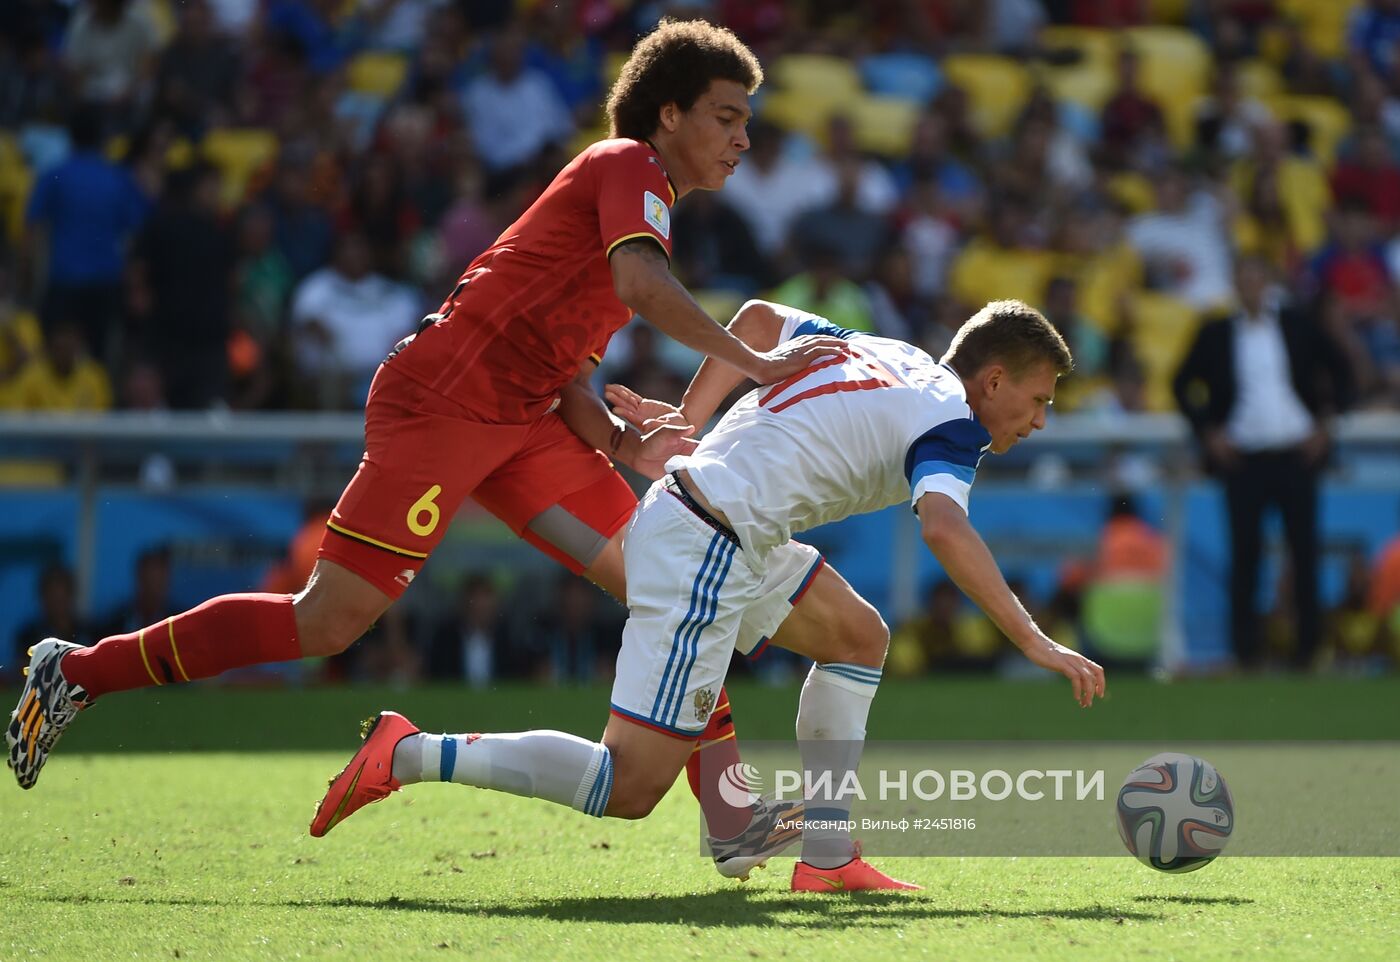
370,775
857,875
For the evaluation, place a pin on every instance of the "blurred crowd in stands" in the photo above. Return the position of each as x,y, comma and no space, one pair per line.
246,203
494,628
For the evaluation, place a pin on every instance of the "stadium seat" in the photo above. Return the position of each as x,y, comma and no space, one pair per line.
720,303
584,137
1091,80
805,112
1323,24
239,153
1258,78
983,272
377,73
1092,43
1168,11
15,183
1326,119
1105,279
163,18
996,87
1175,71
1174,61
1122,619
1163,328
1089,83
885,125
1132,190
829,78
908,76
1304,192
613,64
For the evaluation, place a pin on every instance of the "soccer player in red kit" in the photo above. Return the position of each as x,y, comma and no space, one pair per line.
490,399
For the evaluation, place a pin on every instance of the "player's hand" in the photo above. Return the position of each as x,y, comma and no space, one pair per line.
795,355
641,412
1086,676
659,445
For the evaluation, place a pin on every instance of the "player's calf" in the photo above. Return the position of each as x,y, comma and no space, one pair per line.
646,764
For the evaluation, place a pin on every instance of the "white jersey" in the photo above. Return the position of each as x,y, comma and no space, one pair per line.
846,436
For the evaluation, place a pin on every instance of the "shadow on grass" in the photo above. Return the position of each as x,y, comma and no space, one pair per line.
1195,899
710,909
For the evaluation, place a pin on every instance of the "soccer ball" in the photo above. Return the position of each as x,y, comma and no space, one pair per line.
1175,812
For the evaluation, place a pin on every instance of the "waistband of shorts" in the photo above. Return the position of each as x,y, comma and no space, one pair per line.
672,484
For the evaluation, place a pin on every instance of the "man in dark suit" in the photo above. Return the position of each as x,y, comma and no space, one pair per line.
1258,387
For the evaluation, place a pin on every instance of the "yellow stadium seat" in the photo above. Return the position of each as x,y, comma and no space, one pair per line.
803,111
1092,80
239,153
884,125
1092,43
1258,78
1304,192
1133,190
1174,70
831,78
613,65
163,19
1162,331
1328,121
15,183
1168,11
1273,42
1174,62
1105,278
585,137
984,272
377,73
1088,83
719,303
997,89
1323,23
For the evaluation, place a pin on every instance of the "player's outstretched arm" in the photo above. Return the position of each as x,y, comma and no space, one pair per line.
643,450
969,562
759,325
642,279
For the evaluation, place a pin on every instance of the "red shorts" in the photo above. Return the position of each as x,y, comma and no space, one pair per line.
424,455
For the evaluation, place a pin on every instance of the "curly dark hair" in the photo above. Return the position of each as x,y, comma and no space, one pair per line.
1011,333
676,62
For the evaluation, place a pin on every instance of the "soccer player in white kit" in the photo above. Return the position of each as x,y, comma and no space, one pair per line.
850,434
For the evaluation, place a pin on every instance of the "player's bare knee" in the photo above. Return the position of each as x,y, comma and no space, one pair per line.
864,638
326,628
634,798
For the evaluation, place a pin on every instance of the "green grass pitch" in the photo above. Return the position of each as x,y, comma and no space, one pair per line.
135,846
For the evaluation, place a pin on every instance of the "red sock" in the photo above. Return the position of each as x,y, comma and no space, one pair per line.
719,748
230,631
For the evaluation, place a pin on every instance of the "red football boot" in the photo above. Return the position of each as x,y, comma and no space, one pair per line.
370,775
857,875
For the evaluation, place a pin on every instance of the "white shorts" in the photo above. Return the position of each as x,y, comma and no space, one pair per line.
693,599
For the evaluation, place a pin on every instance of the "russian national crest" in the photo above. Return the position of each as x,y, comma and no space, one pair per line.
704,704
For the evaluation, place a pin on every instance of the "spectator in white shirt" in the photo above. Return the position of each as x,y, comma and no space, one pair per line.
773,185
514,111
345,320
1184,244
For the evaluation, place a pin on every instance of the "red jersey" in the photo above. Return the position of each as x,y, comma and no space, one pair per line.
539,302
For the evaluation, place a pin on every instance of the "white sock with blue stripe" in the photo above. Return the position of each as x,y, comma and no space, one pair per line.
541,764
831,720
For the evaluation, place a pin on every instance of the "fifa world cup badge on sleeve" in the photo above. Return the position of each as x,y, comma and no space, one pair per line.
657,214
